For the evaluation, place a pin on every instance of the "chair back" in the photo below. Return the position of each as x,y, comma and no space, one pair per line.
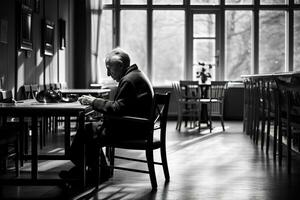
160,114
217,89
217,92
289,98
190,88
176,91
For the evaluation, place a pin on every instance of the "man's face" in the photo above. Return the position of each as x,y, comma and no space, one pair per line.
115,71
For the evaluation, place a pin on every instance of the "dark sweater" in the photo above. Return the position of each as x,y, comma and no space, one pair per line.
134,97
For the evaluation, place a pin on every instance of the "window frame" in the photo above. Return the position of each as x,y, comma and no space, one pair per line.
255,7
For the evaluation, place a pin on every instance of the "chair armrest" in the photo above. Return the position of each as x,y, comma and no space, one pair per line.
128,118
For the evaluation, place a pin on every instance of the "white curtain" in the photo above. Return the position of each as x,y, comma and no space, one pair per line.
96,11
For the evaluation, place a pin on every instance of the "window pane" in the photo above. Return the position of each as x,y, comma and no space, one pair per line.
105,45
133,2
205,2
168,47
297,1
237,44
170,2
238,2
272,2
107,1
297,40
204,51
134,42
204,25
271,41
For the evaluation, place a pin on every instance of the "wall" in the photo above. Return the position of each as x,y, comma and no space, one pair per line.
18,67
7,47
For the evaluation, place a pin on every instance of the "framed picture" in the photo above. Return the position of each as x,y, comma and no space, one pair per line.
48,37
62,34
25,33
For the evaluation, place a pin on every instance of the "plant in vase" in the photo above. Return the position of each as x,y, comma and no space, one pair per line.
203,74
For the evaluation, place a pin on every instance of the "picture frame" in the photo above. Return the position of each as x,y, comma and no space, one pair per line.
48,37
62,34
25,33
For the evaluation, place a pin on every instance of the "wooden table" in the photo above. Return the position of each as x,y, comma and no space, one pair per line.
93,92
33,109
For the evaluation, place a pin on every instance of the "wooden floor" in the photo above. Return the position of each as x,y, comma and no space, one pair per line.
225,165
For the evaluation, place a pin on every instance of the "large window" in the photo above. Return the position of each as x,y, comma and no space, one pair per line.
163,46
105,44
133,2
271,41
170,2
168,46
133,36
237,44
204,2
273,2
238,2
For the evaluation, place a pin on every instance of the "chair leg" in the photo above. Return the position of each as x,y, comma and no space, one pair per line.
210,124
222,122
150,162
268,134
98,166
165,163
17,157
111,156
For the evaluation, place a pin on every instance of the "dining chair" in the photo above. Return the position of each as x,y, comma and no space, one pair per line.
187,108
215,101
29,92
190,91
9,135
154,125
289,120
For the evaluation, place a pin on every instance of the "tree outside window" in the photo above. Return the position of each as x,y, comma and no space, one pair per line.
237,44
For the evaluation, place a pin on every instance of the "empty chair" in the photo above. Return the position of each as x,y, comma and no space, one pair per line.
155,124
215,101
9,135
289,109
187,108
191,92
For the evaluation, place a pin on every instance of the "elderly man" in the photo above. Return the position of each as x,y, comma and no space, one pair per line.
133,97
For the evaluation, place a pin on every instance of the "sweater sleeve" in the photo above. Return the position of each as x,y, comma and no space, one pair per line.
124,97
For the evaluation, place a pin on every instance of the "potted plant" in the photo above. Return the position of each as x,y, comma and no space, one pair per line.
203,74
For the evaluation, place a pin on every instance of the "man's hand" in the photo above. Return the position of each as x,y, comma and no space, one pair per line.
86,99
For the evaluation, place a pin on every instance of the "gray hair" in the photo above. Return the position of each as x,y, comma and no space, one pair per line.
118,56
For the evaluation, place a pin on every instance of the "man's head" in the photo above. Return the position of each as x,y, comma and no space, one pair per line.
117,61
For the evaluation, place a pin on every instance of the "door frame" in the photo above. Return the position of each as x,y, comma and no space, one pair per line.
189,43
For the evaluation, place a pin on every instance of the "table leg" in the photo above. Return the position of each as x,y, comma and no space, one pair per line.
67,135
34,150
81,128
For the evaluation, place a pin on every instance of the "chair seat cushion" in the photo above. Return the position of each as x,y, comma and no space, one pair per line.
134,144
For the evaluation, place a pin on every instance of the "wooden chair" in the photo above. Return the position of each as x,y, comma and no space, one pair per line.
215,101
30,91
289,115
156,124
190,91
9,135
187,108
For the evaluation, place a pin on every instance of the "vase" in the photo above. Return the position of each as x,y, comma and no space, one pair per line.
203,79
